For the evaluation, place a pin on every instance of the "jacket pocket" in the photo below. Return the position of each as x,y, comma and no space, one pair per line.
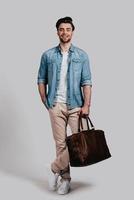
76,60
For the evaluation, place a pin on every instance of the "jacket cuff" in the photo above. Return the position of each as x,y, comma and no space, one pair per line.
86,82
41,81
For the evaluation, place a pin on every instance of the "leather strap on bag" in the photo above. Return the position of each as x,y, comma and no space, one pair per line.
87,119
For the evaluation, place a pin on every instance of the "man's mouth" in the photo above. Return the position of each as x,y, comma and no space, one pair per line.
64,36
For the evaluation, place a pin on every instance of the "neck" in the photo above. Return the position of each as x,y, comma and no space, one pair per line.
65,46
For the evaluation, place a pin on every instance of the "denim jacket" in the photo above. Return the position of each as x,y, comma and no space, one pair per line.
78,75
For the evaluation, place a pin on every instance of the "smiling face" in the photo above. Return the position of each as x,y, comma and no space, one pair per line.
65,32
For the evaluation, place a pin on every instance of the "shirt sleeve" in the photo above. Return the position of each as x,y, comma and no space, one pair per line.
86,77
42,72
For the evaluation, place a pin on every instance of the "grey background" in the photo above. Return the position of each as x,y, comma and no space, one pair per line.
104,29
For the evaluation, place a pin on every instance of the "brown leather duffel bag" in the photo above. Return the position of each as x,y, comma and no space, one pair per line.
87,146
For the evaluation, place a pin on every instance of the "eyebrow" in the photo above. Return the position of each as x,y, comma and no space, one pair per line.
65,28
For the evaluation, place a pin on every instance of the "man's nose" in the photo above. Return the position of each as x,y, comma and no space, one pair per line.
64,31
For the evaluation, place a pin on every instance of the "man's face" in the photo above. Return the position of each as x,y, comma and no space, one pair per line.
65,32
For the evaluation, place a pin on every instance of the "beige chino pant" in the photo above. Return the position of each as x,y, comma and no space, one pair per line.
60,117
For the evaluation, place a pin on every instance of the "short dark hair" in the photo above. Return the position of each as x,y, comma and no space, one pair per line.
65,20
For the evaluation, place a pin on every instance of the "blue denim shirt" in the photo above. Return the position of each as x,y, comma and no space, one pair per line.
78,75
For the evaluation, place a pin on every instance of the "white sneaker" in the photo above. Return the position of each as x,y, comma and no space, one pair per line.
64,187
52,178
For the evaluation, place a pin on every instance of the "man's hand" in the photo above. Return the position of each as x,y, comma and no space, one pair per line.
85,110
43,99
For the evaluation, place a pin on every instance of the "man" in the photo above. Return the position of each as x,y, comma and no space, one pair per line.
66,71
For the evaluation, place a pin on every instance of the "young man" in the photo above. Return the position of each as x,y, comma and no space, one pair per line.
66,70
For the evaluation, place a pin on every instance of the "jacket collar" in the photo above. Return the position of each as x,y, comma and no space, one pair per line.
58,48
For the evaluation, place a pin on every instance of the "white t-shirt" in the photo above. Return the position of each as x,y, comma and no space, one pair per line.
61,95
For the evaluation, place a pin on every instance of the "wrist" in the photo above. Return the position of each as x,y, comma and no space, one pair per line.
86,105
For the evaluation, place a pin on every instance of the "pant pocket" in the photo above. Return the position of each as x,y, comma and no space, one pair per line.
55,109
75,110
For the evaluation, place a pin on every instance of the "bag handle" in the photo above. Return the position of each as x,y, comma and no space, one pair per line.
87,119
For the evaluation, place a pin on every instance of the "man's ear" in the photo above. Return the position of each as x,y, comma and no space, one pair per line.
57,33
72,33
